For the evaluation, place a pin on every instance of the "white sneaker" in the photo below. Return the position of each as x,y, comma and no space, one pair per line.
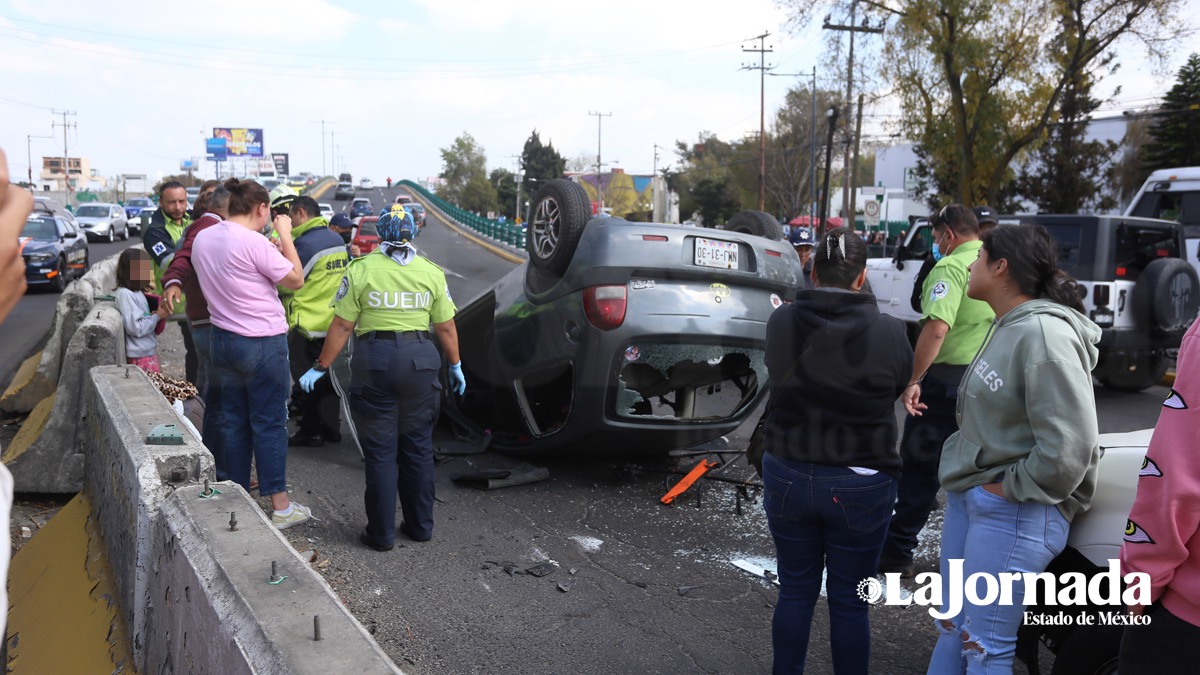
299,514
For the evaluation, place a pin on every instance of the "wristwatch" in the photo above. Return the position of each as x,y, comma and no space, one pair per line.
318,367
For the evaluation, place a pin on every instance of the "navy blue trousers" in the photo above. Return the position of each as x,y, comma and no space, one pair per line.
394,399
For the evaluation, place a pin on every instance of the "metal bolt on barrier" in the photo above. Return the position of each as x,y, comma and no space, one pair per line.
317,627
233,521
275,579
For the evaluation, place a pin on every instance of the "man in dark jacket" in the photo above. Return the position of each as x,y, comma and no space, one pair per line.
160,240
179,279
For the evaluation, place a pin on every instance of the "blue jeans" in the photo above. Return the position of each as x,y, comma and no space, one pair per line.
824,517
394,400
255,381
991,535
214,416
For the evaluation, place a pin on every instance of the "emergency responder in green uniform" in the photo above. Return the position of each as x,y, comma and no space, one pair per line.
309,310
388,299
160,239
953,328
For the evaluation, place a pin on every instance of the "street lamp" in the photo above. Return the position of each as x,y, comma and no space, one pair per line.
832,115
29,154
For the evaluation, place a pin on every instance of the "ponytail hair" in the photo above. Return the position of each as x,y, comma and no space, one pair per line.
1032,256
840,258
245,196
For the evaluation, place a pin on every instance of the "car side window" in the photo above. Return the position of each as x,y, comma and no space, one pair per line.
62,226
920,243
1137,247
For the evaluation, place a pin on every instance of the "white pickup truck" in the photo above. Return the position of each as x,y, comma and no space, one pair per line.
1139,288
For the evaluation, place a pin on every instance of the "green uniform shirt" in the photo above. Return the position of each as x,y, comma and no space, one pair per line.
944,297
377,293
175,229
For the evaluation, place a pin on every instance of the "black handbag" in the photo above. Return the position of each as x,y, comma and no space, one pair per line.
754,450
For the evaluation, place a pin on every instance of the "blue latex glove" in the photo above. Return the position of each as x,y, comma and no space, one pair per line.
457,381
309,379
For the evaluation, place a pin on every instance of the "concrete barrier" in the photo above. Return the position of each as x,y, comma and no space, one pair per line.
54,462
31,385
196,596
37,378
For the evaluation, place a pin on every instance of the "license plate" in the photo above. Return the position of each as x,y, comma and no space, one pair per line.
716,253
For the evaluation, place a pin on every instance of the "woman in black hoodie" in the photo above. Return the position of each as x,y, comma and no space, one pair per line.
836,368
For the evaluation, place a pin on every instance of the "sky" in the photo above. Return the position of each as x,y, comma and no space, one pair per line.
397,81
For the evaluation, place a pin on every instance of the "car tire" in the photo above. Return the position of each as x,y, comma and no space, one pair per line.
125,233
560,211
1166,298
60,280
758,223
1089,650
112,233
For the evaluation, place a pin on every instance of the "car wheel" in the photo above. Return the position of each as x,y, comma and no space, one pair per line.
1089,650
112,233
125,233
87,263
60,280
560,209
757,223
1166,298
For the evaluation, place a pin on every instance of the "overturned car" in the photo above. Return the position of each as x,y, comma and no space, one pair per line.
620,337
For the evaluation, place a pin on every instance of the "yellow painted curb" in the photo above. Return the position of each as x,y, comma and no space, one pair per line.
30,429
24,375
62,615
474,238
1169,379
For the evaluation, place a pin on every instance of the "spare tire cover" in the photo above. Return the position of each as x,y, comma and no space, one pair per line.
1166,298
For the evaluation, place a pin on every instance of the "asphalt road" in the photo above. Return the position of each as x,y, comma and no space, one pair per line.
648,588
450,606
27,327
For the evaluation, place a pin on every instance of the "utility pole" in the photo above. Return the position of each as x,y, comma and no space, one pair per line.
66,161
812,145
854,165
599,165
29,154
832,115
323,123
852,29
762,69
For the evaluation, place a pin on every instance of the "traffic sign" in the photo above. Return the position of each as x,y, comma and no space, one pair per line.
871,213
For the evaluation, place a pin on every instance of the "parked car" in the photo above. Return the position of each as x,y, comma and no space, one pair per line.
361,206
365,184
135,206
326,210
417,211
1173,194
103,221
345,190
620,337
55,250
1091,647
365,235
1139,289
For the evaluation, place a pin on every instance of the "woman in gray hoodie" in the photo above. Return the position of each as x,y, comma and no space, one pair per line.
1023,462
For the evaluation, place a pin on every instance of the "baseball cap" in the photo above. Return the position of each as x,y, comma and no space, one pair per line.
984,214
801,236
340,220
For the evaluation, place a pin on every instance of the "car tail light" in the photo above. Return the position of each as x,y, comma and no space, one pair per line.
604,306
653,237
1161,252
776,254
1121,271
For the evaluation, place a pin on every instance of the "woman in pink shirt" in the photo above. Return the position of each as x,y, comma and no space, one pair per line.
239,269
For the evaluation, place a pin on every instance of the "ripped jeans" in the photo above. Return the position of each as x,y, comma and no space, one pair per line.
991,535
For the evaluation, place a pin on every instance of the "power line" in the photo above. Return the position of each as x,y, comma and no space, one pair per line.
762,69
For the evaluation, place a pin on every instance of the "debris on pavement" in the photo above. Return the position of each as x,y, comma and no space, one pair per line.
758,570
542,569
490,479
565,586
683,590
694,475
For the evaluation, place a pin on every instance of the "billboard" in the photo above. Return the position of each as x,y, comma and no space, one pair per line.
241,142
216,149
188,165
281,163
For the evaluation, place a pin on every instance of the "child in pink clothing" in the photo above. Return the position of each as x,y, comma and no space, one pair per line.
141,325
1162,537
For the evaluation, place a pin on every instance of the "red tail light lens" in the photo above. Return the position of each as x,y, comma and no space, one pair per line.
604,306
1121,271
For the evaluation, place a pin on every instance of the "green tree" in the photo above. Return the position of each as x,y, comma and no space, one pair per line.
506,190
1176,127
464,170
980,80
789,146
1069,173
540,162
